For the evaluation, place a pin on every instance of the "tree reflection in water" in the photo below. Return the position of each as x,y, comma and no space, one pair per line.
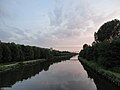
9,78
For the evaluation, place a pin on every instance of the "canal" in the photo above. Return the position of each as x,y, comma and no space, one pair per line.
62,75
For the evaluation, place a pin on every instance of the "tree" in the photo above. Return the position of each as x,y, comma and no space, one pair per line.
28,52
105,50
21,53
37,53
11,52
89,53
15,54
108,31
1,52
6,53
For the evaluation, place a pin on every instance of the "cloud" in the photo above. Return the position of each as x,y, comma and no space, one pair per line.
9,33
66,23
3,13
56,16
79,22
70,21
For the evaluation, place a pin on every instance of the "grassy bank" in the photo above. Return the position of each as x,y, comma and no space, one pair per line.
107,74
11,66
16,65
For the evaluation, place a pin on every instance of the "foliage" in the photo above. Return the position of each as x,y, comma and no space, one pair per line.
114,77
108,31
105,50
11,52
0,52
6,53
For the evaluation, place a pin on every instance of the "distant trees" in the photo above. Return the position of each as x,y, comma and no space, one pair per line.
21,53
15,54
28,52
11,52
1,52
37,52
105,50
6,53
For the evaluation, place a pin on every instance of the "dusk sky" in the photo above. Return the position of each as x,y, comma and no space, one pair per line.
60,24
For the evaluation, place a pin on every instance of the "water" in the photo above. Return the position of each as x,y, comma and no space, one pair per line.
65,75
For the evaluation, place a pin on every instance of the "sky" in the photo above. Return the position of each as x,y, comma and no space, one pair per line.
60,24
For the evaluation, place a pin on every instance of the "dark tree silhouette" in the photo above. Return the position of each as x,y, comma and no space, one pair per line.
105,50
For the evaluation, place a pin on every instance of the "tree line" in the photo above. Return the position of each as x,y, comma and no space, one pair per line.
105,50
11,52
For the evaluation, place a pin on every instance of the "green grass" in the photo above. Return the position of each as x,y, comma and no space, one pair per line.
110,75
15,65
11,66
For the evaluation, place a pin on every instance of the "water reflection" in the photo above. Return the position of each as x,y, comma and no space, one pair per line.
9,78
55,75
65,75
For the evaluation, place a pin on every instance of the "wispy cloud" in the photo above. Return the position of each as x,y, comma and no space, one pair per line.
56,23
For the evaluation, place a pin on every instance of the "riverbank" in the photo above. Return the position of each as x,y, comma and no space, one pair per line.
16,65
7,67
107,74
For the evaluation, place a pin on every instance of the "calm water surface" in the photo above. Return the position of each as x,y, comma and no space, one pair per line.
65,75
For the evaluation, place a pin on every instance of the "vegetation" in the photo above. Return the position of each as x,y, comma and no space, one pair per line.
11,52
108,31
105,50
111,76
23,70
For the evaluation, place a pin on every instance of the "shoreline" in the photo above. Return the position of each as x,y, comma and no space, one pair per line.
112,77
15,65
8,67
